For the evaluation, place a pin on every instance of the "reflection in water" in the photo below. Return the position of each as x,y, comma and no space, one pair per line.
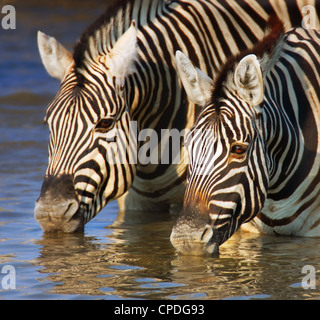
133,246
136,260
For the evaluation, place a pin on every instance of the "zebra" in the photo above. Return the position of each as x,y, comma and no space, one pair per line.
121,80
254,149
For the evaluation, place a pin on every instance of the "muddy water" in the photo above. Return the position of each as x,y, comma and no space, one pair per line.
119,256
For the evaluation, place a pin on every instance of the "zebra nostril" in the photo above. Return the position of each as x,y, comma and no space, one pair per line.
71,209
207,234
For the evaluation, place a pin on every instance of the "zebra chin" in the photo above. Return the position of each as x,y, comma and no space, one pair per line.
58,209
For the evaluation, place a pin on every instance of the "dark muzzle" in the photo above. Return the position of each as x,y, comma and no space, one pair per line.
57,209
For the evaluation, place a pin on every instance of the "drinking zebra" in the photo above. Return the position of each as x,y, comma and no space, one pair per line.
120,82
254,149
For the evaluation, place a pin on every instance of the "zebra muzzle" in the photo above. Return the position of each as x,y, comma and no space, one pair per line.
57,209
195,241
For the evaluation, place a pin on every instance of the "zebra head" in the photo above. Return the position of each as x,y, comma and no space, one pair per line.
91,138
227,177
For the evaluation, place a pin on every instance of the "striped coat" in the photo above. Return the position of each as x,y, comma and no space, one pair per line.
258,162
119,84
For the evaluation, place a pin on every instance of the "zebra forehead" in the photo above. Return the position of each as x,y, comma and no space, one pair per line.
230,126
103,99
77,104
218,114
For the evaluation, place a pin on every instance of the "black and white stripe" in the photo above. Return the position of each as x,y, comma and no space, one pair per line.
254,149
99,95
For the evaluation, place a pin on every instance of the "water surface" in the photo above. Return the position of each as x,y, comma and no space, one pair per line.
119,256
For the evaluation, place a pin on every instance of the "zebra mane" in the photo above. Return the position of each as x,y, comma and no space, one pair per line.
262,49
101,35
99,38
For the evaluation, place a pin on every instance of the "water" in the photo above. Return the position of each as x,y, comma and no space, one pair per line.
119,256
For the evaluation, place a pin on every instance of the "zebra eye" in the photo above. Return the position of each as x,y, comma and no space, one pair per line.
105,125
238,149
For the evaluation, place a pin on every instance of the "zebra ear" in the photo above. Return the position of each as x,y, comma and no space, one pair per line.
120,61
196,83
249,80
55,57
